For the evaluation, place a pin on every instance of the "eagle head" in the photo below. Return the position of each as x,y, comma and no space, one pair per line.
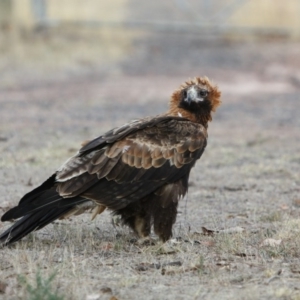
195,100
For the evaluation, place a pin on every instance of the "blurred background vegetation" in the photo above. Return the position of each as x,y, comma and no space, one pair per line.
41,39
227,17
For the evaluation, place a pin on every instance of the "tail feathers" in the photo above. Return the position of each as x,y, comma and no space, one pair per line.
32,195
45,201
32,200
32,222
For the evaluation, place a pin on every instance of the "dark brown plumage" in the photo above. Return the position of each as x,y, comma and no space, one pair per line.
139,170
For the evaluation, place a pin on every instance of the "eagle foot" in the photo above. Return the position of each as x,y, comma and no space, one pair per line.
146,241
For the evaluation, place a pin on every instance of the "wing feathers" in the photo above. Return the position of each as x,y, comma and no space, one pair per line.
184,146
114,151
196,144
138,150
99,158
156,153
168,153
157,163
147,163
137,162
137,153
146,152
107,168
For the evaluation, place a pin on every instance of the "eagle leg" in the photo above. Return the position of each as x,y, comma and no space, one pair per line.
163,220
142,226
137,218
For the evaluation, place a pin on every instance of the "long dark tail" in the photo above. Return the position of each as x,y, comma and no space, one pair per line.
31,222
37,209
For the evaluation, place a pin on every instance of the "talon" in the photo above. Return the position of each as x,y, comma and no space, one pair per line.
146,241
99,209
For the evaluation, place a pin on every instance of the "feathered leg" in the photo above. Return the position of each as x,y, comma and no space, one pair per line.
159,208
163,221
137,218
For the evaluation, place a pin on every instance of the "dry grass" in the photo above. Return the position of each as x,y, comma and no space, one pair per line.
91,259
95,260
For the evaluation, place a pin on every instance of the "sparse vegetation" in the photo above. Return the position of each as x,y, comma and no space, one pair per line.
41,289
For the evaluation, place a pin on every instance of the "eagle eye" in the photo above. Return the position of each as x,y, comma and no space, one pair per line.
184,94
203,93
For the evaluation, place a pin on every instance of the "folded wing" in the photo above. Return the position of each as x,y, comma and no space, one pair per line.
131,167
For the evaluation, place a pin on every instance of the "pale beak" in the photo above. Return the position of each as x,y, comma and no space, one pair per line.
192,95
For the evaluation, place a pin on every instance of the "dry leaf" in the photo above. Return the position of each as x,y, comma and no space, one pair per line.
208,243
175,241
206,231
93,297
295,269
147,266
234,188
106,289
3,286
107,246
174,271
296,202
222,263
271,242
284,207
236,229
167,249
242,254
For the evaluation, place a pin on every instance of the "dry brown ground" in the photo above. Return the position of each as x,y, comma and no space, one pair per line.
246,187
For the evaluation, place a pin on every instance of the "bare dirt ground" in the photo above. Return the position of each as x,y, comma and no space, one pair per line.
245,190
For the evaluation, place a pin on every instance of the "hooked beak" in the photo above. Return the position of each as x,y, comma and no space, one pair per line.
192,95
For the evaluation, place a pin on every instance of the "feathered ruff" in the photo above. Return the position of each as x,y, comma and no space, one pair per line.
202,116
